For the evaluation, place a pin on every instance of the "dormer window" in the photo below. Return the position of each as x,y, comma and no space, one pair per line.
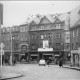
42,27
57,26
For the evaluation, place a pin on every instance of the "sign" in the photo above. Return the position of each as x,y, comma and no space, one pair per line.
2,52
2,45
45,49
79,50
45,43
74,51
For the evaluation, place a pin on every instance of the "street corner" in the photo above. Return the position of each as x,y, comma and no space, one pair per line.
10,76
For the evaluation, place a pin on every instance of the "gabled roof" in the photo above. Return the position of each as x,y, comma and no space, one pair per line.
57,20
37,19
32,22
50,18
46,19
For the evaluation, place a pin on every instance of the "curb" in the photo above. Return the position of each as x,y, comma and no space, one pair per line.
72,68
11,77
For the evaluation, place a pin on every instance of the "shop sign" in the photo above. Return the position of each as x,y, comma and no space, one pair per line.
78,50
74,51
45,49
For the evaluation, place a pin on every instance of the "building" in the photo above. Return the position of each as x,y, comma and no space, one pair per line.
75,36
47,37
15,39
1,23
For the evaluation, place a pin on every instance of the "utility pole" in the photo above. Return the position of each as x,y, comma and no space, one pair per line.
11,61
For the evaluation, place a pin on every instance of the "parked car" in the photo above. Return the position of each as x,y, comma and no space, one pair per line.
42,62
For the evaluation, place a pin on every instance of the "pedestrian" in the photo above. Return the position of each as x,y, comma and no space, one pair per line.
48,61
60,63
14,61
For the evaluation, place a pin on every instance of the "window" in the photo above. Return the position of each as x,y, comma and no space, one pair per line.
41,36
8,37
73,33
3,29
12,28
57,26
72,46
21,29
77,32
8,29
34,36
58,35
42,27
23,47
76,45
15,46
58,46
49,35
50,45
41,45
33,46
26,28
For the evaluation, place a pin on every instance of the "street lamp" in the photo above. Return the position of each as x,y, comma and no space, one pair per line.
11,56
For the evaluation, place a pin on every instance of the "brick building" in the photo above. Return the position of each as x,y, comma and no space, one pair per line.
43,37
18,42
47,34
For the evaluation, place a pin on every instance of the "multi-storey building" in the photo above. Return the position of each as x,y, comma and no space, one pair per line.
75,36
47,37
15,40
24,42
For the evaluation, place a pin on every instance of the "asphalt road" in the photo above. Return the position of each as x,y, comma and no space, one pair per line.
36,72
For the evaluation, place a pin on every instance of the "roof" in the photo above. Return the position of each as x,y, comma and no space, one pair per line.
76,24
50,17
74,16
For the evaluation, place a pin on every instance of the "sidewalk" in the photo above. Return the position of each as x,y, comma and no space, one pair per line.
71,67
8,72
9,76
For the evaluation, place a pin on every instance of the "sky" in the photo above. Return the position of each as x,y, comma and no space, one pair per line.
16,12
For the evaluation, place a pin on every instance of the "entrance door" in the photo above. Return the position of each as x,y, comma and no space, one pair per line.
40,56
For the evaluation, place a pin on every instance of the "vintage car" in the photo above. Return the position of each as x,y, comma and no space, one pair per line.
42,62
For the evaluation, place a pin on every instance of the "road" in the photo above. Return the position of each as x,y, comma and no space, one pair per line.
36,72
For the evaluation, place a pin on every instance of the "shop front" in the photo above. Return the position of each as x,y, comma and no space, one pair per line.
45,53
23,53
74,58
34,57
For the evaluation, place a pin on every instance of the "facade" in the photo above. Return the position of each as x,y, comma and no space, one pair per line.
75,36
14,38
75,45
47,38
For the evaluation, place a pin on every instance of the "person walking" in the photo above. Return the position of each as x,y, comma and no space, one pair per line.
60,63
48,61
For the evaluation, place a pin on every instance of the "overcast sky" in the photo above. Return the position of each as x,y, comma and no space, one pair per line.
16,12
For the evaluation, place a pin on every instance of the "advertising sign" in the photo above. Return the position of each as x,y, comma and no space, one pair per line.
45,44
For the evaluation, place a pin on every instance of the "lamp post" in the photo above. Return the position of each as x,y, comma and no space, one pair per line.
11,56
